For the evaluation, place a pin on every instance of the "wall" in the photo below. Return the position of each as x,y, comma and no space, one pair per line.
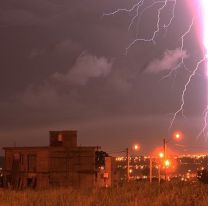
17,171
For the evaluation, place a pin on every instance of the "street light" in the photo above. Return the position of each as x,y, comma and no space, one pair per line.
167,163
177,136
161,155
135,147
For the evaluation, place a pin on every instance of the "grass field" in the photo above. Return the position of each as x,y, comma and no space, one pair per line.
132,194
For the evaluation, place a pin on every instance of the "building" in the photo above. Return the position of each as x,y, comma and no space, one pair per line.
62,163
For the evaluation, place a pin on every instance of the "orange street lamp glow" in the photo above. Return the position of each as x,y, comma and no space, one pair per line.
161,155
178,135
167,163
136,147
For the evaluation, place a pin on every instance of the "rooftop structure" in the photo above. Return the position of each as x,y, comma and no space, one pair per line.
62,163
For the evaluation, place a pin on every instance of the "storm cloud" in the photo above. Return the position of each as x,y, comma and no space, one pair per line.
48,82
86,67
168,61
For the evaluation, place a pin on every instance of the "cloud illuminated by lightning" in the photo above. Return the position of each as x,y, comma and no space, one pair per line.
181,63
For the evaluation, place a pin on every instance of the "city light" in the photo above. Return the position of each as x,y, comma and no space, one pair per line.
136,147
161,155
181,167
177,136
167,163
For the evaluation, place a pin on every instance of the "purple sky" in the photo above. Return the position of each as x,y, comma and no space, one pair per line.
63,66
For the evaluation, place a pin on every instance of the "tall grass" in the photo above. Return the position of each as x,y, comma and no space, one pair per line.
132,194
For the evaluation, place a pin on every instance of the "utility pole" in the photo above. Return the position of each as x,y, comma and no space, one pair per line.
127,159
150,169
164,149
159,174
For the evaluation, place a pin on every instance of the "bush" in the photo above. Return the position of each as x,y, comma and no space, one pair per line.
203,176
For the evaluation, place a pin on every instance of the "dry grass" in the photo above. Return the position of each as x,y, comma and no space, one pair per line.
132,194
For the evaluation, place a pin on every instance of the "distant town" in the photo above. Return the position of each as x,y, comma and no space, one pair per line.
64,163
184,167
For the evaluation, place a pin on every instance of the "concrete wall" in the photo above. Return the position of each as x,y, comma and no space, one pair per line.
73,167
55,166
17,171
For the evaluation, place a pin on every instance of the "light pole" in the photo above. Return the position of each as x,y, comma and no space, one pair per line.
150,169
164,152
135,147
177,136
127,159
161,156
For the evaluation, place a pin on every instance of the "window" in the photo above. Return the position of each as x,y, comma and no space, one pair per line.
60,138
32,161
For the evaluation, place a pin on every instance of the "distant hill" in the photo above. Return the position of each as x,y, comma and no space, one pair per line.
1,161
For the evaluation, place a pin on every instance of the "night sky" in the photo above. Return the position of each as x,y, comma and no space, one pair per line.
63,66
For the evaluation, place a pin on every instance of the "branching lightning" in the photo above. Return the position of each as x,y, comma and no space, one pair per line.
137,6
151,6
157,30
181,63
162,6
202,132
185,89
173,15
204,11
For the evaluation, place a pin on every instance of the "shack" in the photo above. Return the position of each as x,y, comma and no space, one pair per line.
62,163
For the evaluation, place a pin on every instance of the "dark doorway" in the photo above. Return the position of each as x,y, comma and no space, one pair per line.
32,182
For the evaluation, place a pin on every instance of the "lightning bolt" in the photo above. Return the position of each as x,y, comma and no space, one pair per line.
151,6
185,89
204,9
173,15
181,63
136,7
202,132
163,4
157,30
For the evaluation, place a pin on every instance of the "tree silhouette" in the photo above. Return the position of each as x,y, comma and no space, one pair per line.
100,158
203,176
